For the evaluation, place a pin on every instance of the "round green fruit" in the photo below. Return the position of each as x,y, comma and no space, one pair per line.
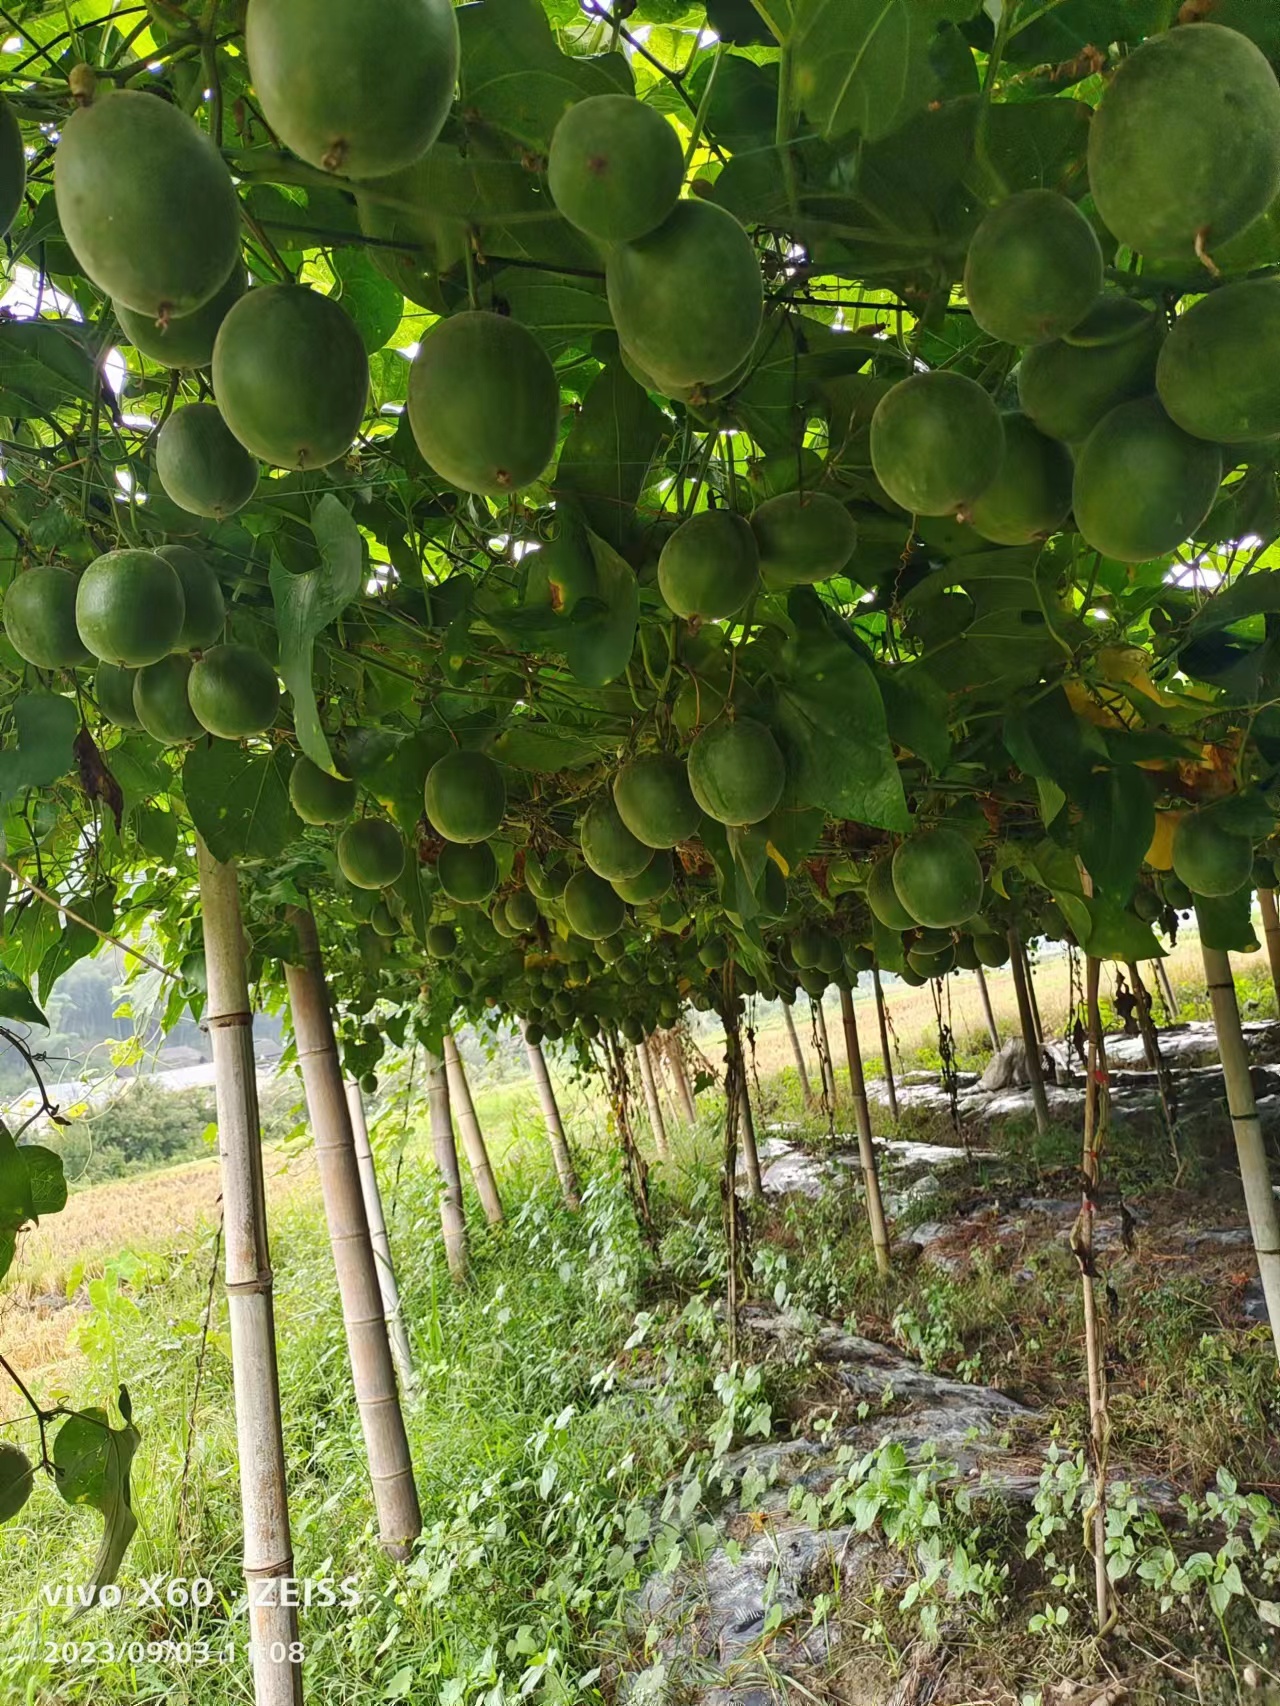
615,167
358,87
40,619
484,403
803,538
966,954
608,846
807,944
1030,496
130,607
202,466
928,965
318,797
710,566
204,608
16,1480
936,443
687,299
655,801
183,340
651,884
522,910
442,940
113,689
146,203
882,896
1184,148
1210,859
234,692
991,950
736,771
161,702
592,906
1034,268
468,871
1216,373
1066,387
371,853
291,376
938,877
1175,891
13,167
384,921
466,797
1142,485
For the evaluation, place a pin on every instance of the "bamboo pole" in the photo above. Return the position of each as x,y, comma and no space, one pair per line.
453,1222
657,1124
988,1013
746,1122
1166,990
268,1545
866,1143
464,1110
1156,1062
802,1071
551,1119
673,1053
824,1053
882,1020
368,1344
1030,1041
401,1350
1255,1175
1271,934
1032,996
1095,1122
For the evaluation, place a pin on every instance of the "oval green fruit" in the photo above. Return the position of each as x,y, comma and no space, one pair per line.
183,340
594,909
358,87
484,403
736,771
651,884
938,877
1030,496
615,167
1184,148
1034,268
130,607
1210,859
203,468
655,801
442,940
466,797
931,965
468,871
16,1480
113,690
318,797
687,300
1217,371
161,703
205,609
882,896
234,692
146,203
13,167
371,853
522,910
803,538
1066,387
608,846
291,376
1142,485
991,950
40,618
710,566
936,443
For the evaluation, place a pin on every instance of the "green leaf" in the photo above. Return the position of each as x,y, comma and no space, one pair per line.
91,1461
1116,934
17,1204
864,66
239,800
608,451
44,366
915,708
43,748
545,750
1119,821
516,79
1047,740
602,630
78,939
305,606
46,1177
1226,921
561,312
16,1000
373,302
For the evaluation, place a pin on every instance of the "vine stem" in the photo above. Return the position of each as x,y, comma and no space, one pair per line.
70,912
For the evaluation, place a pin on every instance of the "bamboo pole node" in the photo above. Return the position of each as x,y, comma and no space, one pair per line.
227,1021
250,1287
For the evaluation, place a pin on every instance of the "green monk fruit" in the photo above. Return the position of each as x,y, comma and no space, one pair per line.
936,443
1142,485
1034,268
615,167
130,607
202,466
